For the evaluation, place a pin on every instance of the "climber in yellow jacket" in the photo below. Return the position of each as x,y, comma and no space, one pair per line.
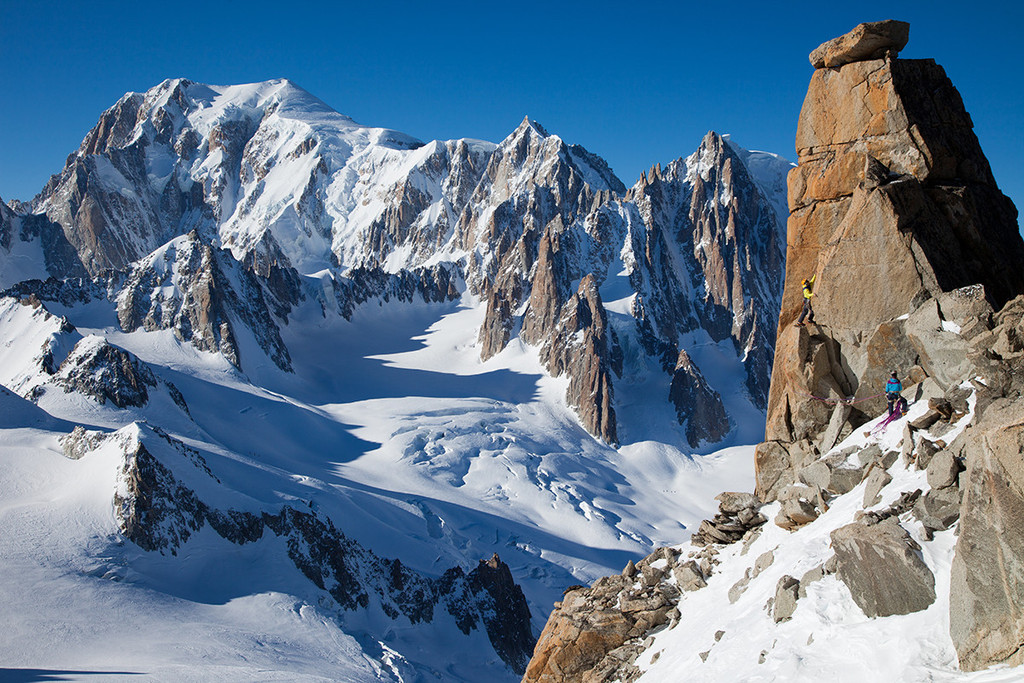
808,312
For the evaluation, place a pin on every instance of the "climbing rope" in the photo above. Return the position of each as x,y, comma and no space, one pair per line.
847,401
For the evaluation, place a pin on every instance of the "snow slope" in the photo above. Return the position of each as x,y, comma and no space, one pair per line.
391,426
76,607
829,637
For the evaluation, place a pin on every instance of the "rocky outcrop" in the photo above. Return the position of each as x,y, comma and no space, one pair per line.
698,406
106,373
433,284
879,554
986,604
158,509
707,213
877,480
595,633
800,505
892,205
67,292
196,291
507,617
787,592
895,211
579,344
23,238
687,236
886,213
738,513
528,225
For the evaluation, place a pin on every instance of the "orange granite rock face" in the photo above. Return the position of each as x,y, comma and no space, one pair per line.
892,202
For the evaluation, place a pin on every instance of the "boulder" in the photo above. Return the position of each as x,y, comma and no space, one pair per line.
776,464
651,576
938,509
924,453
870,454
797,507
925,390
739,587
966,307
787,592
731,502
568,649
832,474
877,480
907,445
944,354
871,40
840,415
883,569
816,475
986,618
689,576
943,470
750,517
763,561
942,406
738,514
809,577
927,420
843,474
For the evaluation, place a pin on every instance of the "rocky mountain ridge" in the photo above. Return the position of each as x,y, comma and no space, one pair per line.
159,511
311,205
914,522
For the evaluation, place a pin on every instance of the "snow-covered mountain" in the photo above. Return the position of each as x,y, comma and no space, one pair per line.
321,371
306,199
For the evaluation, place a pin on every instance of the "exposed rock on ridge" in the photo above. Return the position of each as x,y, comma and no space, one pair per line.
192,289
987,578
159,511
697,404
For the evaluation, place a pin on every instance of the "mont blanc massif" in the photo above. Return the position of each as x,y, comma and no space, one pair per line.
286,397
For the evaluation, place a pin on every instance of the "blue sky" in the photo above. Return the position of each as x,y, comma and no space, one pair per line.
636,83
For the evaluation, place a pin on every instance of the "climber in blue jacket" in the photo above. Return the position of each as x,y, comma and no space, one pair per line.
893,388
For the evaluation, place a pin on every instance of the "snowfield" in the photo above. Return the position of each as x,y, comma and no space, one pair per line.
391,426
